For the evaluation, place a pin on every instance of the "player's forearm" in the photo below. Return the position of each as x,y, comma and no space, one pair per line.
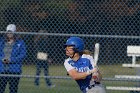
82,75
78,75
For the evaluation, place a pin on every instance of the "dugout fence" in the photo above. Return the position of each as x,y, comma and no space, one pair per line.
114,24
57,71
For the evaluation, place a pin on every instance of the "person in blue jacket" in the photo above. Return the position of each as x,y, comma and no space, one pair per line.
12,53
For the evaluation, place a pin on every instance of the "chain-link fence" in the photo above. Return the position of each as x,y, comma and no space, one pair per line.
43,26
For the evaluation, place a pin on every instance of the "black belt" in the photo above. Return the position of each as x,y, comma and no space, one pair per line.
97,82
91,86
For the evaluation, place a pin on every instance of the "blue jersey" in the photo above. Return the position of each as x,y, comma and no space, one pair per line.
83,64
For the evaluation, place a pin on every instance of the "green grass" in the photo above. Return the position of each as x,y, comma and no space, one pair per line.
69,86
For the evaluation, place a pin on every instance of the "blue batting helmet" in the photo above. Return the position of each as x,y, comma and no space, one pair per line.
77,42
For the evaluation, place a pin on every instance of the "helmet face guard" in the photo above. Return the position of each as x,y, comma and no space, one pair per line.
76,42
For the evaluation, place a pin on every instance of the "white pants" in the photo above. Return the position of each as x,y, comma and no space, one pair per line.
98,88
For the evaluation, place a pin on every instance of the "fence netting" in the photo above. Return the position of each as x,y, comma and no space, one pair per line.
43,26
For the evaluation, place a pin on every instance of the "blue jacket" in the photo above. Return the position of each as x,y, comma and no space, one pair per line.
17,55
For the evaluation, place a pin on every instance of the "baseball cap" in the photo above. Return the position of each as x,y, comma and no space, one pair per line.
11,27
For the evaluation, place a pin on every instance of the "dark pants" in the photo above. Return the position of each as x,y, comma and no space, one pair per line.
42,65
13,83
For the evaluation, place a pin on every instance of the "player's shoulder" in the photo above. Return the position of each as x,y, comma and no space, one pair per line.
87,56
67,60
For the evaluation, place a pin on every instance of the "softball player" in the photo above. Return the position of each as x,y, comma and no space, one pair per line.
81,67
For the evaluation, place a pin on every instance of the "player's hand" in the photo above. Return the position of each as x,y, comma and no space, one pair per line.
97,76
92,71
5,61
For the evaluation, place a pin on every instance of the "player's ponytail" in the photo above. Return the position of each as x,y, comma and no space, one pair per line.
87,52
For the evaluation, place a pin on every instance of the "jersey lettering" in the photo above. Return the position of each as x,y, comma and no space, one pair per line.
82,69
